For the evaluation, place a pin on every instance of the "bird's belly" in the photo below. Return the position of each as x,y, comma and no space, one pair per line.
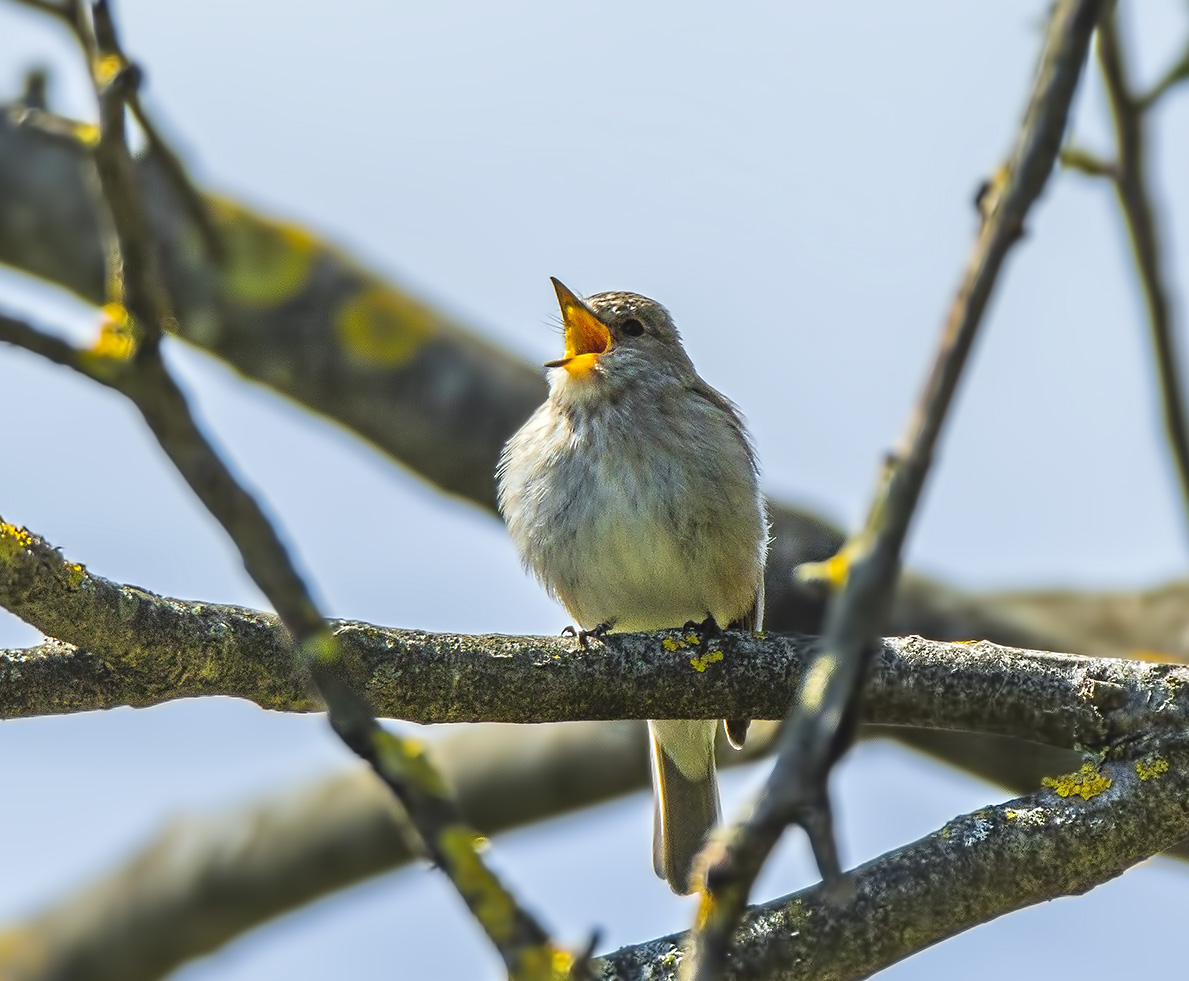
632,566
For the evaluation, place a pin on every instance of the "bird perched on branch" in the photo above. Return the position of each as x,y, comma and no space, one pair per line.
632,494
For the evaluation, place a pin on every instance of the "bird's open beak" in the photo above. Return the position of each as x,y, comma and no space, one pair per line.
586,336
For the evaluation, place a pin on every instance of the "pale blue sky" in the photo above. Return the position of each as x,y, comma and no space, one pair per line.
794,182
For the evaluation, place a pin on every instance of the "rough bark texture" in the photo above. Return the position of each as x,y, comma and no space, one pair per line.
138,648
976,867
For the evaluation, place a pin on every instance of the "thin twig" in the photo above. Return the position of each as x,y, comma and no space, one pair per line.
1177,72
1131,181
820,726
193,203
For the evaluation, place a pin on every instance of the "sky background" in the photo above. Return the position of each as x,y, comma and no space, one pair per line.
794,182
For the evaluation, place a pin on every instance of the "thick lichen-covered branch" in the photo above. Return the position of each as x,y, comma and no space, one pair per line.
125,638
1055,842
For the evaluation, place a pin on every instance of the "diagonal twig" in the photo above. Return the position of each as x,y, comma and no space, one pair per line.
820,726
1128,174
128,359
401,763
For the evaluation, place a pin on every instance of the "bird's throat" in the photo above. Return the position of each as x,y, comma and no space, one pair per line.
581,365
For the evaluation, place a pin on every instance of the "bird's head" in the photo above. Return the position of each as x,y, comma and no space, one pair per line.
617,337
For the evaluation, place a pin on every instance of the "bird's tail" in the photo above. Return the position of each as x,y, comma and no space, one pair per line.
685,795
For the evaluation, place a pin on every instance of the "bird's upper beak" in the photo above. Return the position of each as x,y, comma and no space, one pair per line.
586,336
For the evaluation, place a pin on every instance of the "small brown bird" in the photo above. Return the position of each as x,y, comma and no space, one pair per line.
632,494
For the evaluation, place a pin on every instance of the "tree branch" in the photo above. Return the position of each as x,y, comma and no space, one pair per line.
820,725
36,577
128,359
975,868
204,880
138,648
1131,182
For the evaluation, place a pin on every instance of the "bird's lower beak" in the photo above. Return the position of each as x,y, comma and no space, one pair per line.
586,336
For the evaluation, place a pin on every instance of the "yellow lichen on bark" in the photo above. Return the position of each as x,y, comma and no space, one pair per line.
407,760
703,661
268,262
495,909
117,337
75,574
383,326
13,540
1086,783
833,571
108,67
22,954
1151,767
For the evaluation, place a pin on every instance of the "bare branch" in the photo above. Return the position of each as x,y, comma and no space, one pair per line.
63,11
1132,186
819,727
1177,72
1088,163
133,277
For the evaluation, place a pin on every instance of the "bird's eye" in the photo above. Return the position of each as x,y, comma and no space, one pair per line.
633,327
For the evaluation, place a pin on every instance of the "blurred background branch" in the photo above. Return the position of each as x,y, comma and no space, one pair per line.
206,879
127,358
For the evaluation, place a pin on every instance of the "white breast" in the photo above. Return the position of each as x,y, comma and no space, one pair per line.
626,524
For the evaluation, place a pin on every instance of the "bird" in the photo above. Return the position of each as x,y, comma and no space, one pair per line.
632,494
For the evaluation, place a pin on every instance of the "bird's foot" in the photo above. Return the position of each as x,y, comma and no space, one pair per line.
708,629
599,630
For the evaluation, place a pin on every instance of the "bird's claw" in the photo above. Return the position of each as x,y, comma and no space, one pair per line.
584,635
708,629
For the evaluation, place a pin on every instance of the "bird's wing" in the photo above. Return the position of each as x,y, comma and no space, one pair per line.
731,411
753,619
